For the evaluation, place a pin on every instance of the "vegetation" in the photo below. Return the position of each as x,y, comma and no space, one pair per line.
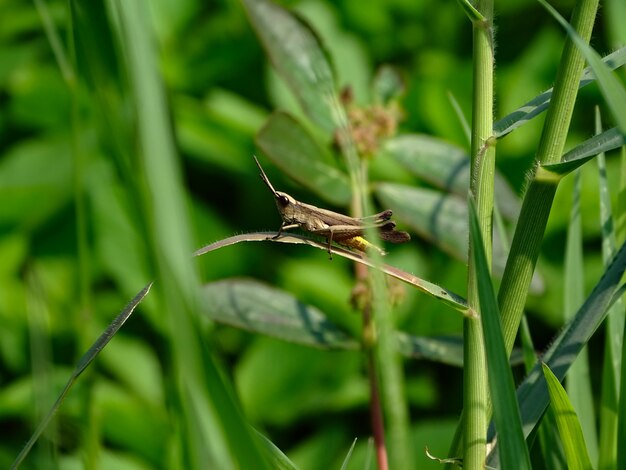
127,135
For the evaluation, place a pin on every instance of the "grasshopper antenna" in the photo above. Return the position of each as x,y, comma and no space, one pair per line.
264,176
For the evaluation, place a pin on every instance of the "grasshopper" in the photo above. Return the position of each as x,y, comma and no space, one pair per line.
342,229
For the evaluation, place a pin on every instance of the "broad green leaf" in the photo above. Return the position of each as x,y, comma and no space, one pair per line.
532,393
290,146
441,219
446,166
569,427
582,153
511,443
540,103
262,309
298,56
613,91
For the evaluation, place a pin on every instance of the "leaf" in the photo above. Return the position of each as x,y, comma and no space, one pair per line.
511,443
446,166
299,57
450,298
540,103
441,219
569,427
277,459
532,393
252,306
82,364
290,146
613,91
582,153
578,379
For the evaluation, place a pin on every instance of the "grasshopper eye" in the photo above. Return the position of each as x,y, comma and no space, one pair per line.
282,200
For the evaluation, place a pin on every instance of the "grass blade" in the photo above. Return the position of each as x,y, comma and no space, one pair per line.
82,364
532,393
568,424
540,103
448,297
613,91
578,379
511,443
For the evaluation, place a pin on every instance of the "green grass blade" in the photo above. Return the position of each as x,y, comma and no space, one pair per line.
614,331
446,296
568,424
82,364
578,378
551,449
582,153
620,217
275,456
532,393
540,103
511,443
213,429
613,91
295,151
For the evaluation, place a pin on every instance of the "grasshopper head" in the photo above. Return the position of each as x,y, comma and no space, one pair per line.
283,199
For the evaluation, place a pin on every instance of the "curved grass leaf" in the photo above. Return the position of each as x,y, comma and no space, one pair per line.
569,427
275,456
613,91
441,219
446,166
447,297
300,59
532,393
82,364
511,443
252,306
540,103
290,146
581,154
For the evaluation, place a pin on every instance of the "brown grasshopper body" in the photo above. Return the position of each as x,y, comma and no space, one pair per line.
340,228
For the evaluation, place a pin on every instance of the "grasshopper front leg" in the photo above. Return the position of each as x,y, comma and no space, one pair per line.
283,227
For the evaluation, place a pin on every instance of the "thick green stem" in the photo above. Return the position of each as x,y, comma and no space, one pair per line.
540,195
476,397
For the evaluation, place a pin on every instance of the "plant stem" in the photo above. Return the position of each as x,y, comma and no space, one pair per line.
540,195
475,396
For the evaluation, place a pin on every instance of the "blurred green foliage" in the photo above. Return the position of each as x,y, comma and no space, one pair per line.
67,131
